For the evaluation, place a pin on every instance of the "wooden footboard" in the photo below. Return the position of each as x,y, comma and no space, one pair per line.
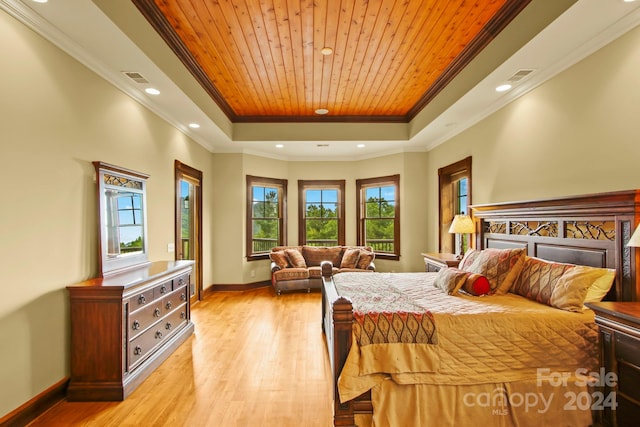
337,321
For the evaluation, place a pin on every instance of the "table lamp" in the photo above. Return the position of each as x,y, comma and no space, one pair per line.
634,241
463,224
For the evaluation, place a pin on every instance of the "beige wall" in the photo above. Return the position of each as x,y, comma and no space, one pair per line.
228,204
57,117
575,134
579,133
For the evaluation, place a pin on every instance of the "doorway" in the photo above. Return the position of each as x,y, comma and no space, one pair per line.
188,225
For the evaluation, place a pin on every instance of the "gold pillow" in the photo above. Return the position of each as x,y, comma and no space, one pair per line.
571,288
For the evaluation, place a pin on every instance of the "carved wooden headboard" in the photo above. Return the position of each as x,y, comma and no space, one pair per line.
589,230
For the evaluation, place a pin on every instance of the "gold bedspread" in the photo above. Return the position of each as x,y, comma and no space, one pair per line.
488,341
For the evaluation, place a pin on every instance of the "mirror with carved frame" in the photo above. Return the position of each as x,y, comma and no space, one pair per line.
122,217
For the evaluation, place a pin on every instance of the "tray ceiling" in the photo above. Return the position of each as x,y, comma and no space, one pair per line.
263,61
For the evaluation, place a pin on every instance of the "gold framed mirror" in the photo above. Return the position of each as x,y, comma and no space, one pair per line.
122,209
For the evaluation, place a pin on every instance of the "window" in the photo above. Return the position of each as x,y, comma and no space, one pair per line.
455,198
266,215
378,204
320,213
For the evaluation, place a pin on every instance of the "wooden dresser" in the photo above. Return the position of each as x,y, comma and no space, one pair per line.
619,324
124,326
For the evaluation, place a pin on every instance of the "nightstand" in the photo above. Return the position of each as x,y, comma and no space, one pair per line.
619,325
434,262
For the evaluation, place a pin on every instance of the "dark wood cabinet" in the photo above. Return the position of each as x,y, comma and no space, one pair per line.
434,262
619,328
124,326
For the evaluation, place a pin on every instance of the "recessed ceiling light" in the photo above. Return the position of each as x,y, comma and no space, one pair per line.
194,125
39,1
360,145
503,88
326,51
322,111
152,91
279,145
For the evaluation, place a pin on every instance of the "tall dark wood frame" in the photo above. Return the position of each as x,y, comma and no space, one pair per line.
446,176
182,170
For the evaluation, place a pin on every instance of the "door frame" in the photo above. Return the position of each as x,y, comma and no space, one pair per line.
182,170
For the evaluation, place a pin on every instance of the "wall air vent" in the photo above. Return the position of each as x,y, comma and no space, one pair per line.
136,77
519,75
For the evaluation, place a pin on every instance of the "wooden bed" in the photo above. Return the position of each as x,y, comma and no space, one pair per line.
589,230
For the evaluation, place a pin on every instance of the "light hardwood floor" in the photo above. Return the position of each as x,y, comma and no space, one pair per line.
255,360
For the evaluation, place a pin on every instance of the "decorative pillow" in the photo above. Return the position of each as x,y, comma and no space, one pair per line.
280,258
571,288
450,280
601,286
468,258
295,258
538,278
366,258
499,266
314,255
350,258
476,284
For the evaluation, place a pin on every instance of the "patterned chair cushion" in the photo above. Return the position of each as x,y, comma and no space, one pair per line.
350,258
295,258
314,255
366,258
280,258
292,273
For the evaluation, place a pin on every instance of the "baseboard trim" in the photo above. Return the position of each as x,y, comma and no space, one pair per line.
236,288
29,411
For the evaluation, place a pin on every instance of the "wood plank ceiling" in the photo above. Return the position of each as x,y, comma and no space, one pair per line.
262,60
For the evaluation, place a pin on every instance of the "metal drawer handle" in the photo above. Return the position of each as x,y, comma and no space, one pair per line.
183,296
168,305
137,351
158,334
136,325
156,312
163,289
183,315
180,282
168,326
142,299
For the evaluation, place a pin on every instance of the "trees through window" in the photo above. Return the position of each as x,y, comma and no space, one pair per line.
266,208
320,213
378,204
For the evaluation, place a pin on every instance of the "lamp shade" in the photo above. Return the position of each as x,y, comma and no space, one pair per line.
463,224
634,241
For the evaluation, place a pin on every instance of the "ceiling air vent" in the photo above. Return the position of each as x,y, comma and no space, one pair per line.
136,77
519,75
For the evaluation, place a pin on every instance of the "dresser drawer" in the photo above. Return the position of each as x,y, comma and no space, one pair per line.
183,280
627,413
174,299
141,319
174,320
147,341
140,300
627,349
162,289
